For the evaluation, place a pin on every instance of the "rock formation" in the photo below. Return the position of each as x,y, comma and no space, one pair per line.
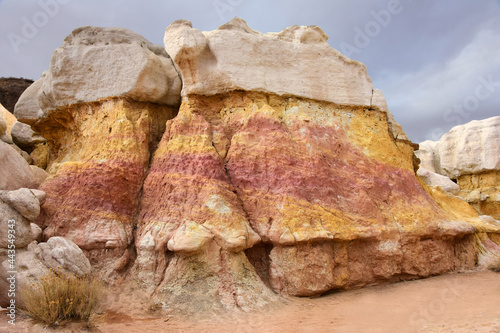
469,154
277,167
100,133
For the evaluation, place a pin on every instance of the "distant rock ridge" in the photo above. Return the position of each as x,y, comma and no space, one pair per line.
276,169
11,89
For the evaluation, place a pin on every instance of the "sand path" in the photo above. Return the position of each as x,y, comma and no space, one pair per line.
450,303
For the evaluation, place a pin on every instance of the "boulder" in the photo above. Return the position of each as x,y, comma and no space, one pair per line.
434,179
469,154
27,110
37,260
145,70
471,148
24,137
429,157
297,61
24,201
11,219
39,174
37,232
61,253
15,172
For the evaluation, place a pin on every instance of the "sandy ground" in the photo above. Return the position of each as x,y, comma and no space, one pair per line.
450,303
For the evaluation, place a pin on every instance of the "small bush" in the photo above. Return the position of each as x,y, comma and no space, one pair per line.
60,297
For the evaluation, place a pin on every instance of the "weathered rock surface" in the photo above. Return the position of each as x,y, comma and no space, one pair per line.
283,170
39,174
310,180
36,261
17,209
24,136
125,63
429,157
15,172
99,158
99,136
470,154
24,201
62,253
434,179
472,148
27,110
297,61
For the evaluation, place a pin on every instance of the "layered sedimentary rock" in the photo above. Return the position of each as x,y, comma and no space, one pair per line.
324,177
104,102
470,154
281,170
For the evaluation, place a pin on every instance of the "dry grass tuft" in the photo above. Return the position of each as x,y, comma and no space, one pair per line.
61,297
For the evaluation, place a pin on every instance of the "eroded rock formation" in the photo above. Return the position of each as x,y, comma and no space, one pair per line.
277,167
470,154
100,134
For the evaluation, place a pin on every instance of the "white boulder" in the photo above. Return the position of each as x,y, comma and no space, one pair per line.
471,148
95,63
434,179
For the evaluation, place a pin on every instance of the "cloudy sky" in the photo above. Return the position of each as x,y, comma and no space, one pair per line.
437,62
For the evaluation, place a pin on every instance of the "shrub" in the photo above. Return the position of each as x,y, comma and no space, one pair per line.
60,297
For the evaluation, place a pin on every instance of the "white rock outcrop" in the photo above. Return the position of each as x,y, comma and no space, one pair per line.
62,253
434,179
24,136
297,61
471,148
95,63
470,155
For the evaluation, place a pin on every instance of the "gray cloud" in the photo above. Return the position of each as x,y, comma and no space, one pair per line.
428,57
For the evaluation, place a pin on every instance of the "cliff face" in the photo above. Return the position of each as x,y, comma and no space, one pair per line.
281,170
